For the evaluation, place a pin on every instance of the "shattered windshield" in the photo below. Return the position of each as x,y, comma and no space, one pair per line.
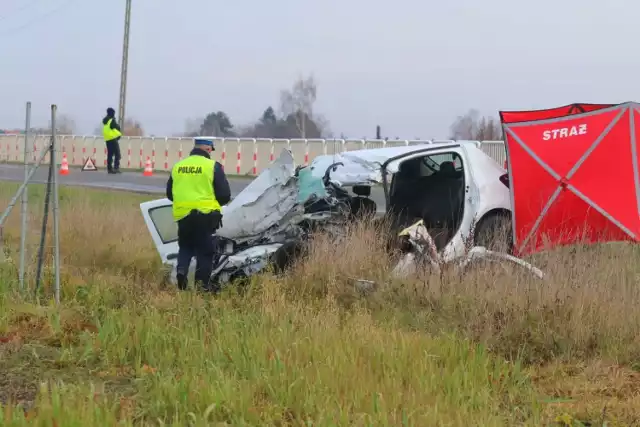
310,185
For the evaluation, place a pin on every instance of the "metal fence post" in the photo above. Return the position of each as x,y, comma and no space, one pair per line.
25,197
56,216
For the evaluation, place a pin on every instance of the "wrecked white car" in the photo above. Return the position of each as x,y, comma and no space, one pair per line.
455,189
266,223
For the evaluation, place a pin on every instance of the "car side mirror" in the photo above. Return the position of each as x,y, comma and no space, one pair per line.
505,179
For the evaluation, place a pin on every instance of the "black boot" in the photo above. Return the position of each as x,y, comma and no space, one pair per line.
182,281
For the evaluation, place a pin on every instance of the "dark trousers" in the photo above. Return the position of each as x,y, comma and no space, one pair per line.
113,154
195,239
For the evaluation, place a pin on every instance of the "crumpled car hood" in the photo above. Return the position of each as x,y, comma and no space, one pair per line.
271,203
262,203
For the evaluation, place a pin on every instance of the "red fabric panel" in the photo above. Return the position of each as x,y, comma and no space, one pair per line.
606,179
570,220
607,176
532,188
560,144
551,113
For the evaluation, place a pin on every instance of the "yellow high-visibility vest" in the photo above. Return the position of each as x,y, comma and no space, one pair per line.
193,186
107,133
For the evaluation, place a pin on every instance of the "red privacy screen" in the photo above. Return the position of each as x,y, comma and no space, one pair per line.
574,178
551,113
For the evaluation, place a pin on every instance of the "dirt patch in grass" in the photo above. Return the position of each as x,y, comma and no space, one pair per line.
35,349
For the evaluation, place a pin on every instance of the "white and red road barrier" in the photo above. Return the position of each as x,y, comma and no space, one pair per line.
252,155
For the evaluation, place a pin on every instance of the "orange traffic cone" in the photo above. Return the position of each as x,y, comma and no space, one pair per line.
148,170
64,166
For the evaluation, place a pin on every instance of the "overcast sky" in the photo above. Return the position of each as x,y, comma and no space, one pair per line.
411,66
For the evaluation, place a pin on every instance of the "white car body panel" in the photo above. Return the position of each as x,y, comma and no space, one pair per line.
165,239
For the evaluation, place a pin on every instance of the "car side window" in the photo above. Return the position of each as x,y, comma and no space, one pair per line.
426,169
437,159
162,218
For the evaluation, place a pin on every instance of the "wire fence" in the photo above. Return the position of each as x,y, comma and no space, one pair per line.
19,268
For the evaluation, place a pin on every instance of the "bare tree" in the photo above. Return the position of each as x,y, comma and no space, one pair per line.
132,127
298,102
472,126
323,126
65,125
192,127
296,118
489,129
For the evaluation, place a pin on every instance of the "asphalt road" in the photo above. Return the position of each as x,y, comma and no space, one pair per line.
128,181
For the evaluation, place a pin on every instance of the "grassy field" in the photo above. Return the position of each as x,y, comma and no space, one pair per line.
493,348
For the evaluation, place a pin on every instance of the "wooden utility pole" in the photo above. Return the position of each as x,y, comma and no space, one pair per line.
125,62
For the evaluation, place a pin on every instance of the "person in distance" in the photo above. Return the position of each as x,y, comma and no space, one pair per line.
111,133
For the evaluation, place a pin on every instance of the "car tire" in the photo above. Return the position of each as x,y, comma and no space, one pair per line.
494,232
286,255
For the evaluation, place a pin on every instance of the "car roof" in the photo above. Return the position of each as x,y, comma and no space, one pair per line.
385,154
399,150
362,166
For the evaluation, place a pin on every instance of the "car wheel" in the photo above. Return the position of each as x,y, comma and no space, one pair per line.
286,255
494,232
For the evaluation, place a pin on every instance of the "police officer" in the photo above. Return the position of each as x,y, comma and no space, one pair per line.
111,133
198,188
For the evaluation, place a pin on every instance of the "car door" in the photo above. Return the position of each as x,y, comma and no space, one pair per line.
435,151
471,193
456,246
158,217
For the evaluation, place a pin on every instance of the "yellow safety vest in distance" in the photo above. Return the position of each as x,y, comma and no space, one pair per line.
107,133
193,186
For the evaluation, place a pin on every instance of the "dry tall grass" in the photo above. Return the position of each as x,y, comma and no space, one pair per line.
586,306
493,347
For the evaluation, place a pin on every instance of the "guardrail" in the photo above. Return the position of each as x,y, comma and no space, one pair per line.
239,156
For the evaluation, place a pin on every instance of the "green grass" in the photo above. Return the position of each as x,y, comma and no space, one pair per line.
231,361
491,349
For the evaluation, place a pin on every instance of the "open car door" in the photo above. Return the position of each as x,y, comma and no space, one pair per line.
158,216
574,178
